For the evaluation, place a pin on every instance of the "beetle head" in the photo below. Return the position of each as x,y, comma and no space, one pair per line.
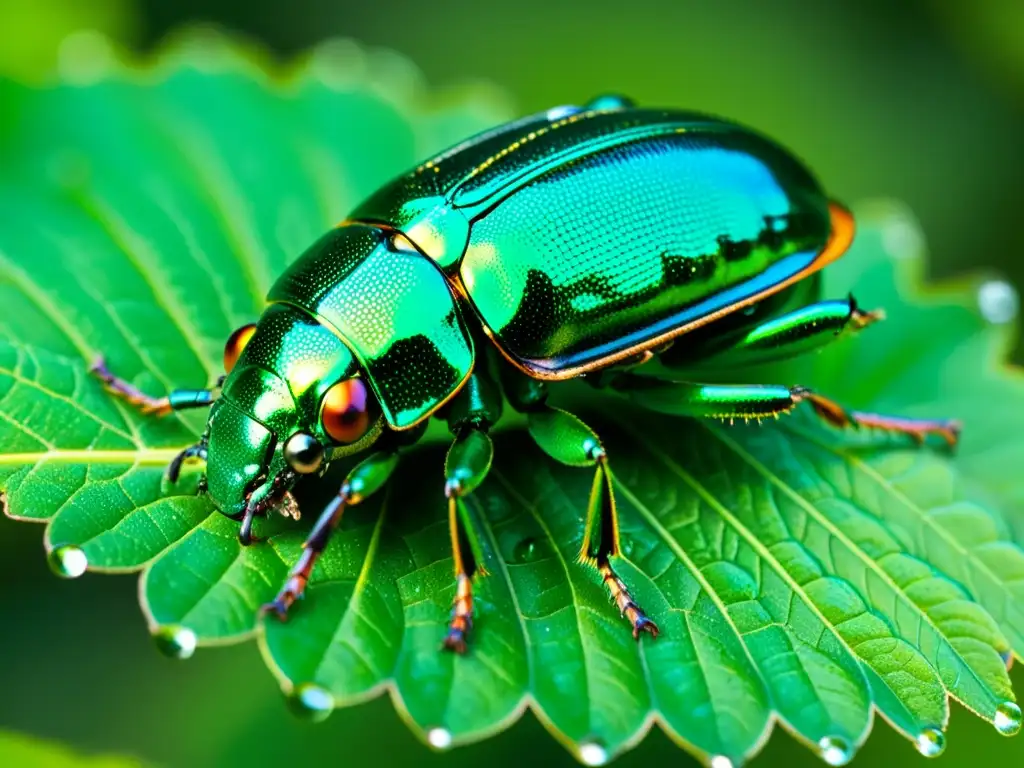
293,400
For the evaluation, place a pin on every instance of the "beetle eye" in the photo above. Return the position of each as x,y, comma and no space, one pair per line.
303,453
236,343
346,411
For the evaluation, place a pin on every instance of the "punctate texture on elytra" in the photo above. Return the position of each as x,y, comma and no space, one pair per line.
794,571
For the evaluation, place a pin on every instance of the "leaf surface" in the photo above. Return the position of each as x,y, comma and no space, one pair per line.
798,574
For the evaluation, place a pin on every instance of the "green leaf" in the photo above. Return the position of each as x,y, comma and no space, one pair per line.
798,574
17,749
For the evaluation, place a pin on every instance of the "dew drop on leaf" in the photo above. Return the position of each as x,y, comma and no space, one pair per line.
931,742
439,738
175,641
525,551
68,562
311,702
593,753
720,761
998,302
1007,719
835,751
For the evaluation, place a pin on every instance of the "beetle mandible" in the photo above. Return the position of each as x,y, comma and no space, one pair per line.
583,241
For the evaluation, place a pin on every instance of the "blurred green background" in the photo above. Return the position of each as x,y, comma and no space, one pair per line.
922,100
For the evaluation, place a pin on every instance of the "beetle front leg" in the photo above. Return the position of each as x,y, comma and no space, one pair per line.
477,406
466,466
365,479
757,401
177,400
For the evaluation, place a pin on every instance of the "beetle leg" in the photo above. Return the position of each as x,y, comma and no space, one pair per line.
466,466
717,401
568,440
465,569
470,414
756,401
794,333
178,400
918,429
365,479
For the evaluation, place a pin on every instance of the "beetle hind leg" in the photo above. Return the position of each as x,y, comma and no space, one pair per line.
756,401
917,429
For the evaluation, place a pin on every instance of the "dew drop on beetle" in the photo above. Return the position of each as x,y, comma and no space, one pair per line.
835,751
68,562
931,742
175,641
593,753
311,702
439,738
998,302
558,113
1007,719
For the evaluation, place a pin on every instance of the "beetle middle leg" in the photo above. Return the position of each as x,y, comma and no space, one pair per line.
568,440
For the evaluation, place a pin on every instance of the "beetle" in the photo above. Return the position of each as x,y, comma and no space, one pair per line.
585,241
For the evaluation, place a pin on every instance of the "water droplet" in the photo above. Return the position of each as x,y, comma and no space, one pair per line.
998,301
593,753
626,545
525,551
1007,719
610,101
311,702
68,562
563,111
931,742
901,239
720,761
175,641
439,738
835,751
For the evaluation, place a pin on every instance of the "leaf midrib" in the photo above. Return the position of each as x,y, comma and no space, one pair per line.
139,457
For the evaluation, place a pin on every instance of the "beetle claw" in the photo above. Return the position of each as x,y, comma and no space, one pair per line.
276,607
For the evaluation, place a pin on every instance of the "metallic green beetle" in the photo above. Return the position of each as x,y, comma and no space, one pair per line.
584,241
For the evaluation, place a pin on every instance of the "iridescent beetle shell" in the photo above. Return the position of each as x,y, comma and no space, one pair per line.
575,239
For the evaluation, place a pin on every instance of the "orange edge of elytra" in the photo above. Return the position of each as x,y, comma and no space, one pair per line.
838,243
